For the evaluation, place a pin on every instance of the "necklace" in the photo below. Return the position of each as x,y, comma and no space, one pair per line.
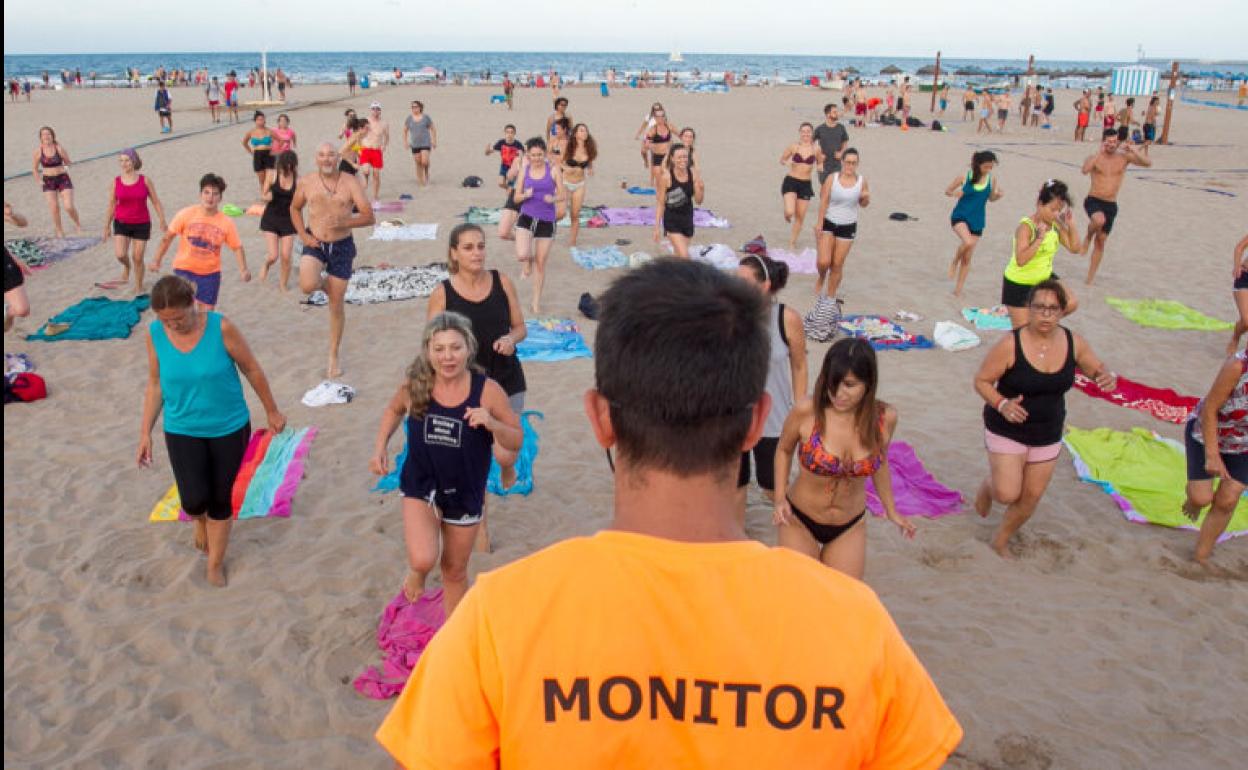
337,181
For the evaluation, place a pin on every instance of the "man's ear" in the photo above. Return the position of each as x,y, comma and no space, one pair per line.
598,410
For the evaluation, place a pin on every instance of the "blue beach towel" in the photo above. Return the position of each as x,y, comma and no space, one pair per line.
996,317
524,464
641,191
599,258
95,318
552,339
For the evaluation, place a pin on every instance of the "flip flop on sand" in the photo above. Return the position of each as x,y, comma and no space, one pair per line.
906,315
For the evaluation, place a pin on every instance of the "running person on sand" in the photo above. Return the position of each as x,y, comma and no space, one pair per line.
974,192
130,220
577,167
541,196
16,303
842,195
330,196
968,104
560,113
796,190
373,146
786,373
194,358
230,91
201,231
679,188
275,223
1035,244
1023,382
420,135
258,142
508,149
51,172
841,436
284,137
453,417
642,132
1107,168
1239,273
1216,439
659,143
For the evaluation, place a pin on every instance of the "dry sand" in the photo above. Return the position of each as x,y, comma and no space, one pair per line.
1100,647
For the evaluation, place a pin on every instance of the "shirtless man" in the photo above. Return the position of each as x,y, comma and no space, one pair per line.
328,246
372,147
1107,169
1003,111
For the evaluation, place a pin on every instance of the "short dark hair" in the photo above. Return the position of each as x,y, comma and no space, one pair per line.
681,356
536,141
1107,133
829,107
561,100
211,180
512,126
172,291
1053,285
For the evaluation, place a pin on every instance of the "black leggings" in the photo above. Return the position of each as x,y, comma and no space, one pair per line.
205,469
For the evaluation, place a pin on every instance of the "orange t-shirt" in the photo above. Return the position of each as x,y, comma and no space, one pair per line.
624,650
200,240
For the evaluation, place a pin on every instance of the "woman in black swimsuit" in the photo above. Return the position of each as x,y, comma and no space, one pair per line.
51,171
796,190
658,142
279,231
679,187
578,165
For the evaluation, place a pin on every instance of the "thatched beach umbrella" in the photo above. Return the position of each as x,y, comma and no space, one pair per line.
926,69
891,69
852,71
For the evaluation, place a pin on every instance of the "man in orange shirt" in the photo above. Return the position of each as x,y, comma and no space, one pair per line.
671,639
203,230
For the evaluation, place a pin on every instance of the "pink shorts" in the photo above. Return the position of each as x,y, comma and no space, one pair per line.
1035,454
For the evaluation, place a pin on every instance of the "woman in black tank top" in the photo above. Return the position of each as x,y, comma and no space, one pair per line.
275,223
454,417
1023,381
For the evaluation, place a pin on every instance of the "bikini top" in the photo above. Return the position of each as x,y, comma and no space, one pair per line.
261,141
656,139
821,462
574,163
53,162
806,160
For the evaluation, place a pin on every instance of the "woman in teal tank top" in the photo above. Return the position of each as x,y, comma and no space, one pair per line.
193,362
1035,244
974,192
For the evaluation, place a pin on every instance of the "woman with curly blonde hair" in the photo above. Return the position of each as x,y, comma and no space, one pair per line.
453,414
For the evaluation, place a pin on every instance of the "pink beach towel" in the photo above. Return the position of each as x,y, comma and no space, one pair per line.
403,634
1162,403
798,263
915,491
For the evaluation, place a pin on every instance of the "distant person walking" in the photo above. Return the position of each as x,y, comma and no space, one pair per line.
129,217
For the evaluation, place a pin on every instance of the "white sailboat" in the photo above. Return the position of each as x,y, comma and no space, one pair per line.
675,56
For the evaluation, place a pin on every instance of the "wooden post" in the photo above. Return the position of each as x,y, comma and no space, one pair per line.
1171,93
935,82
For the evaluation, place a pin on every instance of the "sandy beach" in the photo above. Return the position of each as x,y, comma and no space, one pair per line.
1100,646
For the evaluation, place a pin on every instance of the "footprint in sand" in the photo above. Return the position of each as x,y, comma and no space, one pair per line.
1024,752
942,561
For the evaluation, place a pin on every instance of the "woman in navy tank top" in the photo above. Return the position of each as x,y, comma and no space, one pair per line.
453,416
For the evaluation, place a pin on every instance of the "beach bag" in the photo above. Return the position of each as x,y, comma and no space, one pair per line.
26,386
951,336
914,122
472,181
936,126
822,321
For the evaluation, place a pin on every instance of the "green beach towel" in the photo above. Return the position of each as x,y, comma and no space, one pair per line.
1167,314
1145,475
94,318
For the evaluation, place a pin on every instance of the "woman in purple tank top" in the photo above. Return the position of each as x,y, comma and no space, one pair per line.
128,217
540,193
454,416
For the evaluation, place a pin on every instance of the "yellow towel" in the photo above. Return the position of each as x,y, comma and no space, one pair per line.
167,507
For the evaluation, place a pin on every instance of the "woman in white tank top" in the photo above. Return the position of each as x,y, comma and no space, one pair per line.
843,193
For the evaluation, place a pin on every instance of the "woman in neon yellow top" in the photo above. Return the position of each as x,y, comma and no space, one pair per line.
1036,241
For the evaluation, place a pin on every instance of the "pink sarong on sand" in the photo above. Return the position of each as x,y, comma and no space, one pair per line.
915,491
403,634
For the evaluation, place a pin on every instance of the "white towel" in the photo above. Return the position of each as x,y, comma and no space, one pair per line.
416,232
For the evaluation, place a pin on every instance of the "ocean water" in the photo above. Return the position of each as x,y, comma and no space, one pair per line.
331,67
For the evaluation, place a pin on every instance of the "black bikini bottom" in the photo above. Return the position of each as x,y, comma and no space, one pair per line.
824,533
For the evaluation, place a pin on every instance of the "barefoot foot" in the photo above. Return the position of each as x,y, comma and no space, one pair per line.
216,575
413,586
201,534
983,500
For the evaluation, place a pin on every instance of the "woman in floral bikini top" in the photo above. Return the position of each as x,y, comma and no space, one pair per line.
822,514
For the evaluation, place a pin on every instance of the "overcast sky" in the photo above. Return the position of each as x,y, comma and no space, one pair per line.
1052,29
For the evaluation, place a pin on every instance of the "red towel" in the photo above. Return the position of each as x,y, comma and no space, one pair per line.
256,449
1164,404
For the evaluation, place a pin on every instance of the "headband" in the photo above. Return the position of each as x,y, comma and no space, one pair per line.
766,272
